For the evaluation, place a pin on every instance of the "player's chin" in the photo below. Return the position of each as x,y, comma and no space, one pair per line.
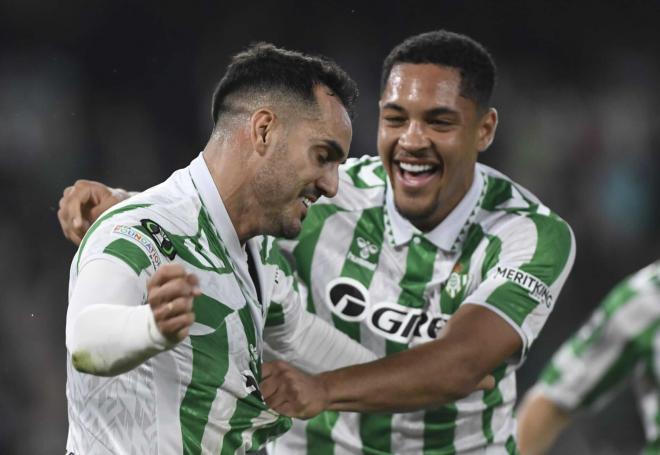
291,228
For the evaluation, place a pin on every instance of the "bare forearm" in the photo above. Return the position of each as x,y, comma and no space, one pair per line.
418,378
539,423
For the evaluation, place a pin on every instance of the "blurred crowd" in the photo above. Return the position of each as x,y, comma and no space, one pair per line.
120,92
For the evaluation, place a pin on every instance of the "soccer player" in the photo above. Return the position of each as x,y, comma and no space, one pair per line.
165,309
444,267
621,340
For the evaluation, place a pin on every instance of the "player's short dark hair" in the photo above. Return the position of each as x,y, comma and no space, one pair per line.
262,68
444,48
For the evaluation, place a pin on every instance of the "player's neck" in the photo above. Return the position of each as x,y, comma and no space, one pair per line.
231,176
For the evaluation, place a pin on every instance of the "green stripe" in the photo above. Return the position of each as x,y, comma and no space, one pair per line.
370,228
634,349
497,193
513,300
275,315
492,255
439,428
210,362
263,435
511,446
550,374
353,171
182,243
98,222
130,253
318,433
440,424
492,399
307,240
553,248
247,409
449,303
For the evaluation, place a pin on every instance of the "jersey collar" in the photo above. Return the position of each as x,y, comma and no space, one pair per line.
208,192
450,232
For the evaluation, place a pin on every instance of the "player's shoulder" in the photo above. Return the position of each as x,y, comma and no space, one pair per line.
362,183
639,289
141,225
508,206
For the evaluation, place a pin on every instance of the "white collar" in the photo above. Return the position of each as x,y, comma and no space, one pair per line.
208,192
446,234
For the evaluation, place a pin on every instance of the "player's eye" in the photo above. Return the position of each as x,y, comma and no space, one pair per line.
322,157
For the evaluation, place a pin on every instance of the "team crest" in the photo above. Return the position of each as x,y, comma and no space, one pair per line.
455,284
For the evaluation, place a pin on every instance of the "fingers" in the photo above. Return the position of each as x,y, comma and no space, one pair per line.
166,273
77,207
174,308
487,383
177,328
69,216
171,292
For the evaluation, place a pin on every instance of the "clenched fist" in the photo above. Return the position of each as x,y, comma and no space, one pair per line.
291,392
170,293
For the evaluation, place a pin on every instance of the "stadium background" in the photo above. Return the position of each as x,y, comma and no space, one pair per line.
120,92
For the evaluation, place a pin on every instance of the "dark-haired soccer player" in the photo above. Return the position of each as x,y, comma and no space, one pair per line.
184,375
444,267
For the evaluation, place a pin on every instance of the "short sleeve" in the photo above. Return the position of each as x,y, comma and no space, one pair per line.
525,272
604,352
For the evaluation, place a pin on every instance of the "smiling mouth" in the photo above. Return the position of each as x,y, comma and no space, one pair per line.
307,202
415,174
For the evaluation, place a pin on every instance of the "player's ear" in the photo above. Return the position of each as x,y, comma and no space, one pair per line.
261,129
486,131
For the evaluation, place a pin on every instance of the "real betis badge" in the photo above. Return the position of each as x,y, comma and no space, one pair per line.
160,237
455,284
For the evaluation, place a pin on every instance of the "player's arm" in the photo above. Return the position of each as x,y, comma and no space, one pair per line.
472,344
497,323
588,368
300,337
110,332
540,421
82,203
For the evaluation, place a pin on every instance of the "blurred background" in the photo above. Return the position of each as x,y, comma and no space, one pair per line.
120,92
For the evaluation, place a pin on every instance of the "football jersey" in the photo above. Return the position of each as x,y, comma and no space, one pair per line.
202,395
390,287
619,342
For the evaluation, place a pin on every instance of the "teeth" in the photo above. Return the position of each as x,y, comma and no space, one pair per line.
307,202
415,167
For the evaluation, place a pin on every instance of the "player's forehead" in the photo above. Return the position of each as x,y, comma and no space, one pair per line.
422,85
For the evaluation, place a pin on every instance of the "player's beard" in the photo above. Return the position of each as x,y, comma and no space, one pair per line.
277,192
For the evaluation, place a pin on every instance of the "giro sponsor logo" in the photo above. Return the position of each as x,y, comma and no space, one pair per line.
349,300
366,250
140,238
402,324
536,288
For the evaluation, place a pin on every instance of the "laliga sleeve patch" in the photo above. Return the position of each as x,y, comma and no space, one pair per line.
139,239
159,235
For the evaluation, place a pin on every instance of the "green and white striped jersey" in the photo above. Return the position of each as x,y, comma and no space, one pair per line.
202,395
390,287
620,341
